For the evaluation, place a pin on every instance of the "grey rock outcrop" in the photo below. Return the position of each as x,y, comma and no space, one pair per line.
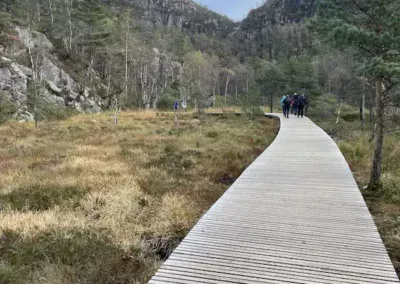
186,15
33,39
60,89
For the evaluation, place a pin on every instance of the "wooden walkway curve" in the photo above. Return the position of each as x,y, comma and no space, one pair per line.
295,215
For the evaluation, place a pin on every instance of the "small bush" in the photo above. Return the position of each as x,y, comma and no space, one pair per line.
7,108
351,117
165,103
50,111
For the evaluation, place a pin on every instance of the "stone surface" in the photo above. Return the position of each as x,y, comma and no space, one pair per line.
53,87
184,15
57,100
25,116
6,81
34,39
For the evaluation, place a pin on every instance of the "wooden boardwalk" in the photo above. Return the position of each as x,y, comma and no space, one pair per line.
295,215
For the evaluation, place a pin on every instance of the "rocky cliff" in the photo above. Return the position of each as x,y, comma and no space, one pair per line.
278,12
266,25
60,89
185,15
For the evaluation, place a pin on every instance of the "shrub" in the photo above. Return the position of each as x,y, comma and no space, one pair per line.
51,111
165,103
7,108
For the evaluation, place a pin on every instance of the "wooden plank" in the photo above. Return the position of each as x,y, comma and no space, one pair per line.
295,215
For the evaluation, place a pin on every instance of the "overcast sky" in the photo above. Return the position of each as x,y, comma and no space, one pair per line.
234,9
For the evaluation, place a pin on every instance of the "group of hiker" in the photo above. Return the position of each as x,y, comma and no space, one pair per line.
293,104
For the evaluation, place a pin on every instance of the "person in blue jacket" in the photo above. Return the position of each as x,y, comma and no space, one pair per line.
285,102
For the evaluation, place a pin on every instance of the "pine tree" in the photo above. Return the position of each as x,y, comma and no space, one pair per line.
370,28
98,21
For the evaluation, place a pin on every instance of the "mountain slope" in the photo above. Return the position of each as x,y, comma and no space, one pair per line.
185,15
273,23
279,12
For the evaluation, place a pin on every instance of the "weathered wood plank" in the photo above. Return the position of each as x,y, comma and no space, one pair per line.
295,215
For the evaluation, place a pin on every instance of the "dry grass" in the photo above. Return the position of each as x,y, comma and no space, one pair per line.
85,201
384,204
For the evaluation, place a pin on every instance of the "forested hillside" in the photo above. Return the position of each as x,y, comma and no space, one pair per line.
145,54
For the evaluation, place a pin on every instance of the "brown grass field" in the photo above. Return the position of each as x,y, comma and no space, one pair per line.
87,201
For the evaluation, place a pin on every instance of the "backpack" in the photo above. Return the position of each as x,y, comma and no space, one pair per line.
288,101
302,101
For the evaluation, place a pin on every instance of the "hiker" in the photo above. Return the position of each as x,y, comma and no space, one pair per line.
302,102
285,102
283,105
184,105
292,105
295,103
288,101
176,106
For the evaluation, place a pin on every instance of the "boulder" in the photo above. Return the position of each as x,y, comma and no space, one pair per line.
27,71
90,106
16,70
72,95
20,83
50,72
33,39
53,87
5,60
25,116
19,98
57,100
20,80
86,92
6,81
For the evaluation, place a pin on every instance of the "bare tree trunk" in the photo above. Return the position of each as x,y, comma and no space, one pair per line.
271,103
108,85
33,65
362,111
226,87
69,7
116,105
88,71
329,84
339,111
376,171
38,11
51,11
126,55
371,112
236,89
